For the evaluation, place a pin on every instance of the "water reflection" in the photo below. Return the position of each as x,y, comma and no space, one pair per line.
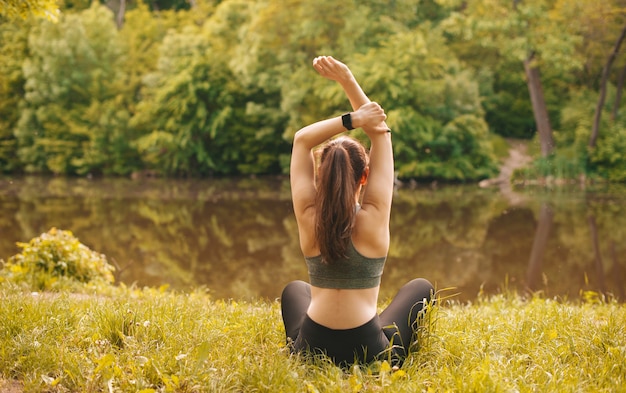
239,239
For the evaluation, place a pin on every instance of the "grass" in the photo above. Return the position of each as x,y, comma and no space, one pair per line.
153,340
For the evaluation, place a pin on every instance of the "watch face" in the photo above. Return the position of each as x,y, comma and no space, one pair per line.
347,121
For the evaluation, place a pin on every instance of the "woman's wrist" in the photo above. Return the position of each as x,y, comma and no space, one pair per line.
349,85
347,80
379,130
356,119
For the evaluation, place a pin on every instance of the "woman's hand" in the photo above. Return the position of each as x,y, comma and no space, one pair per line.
332,69
369,116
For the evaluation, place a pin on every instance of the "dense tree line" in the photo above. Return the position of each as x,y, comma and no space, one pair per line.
209,87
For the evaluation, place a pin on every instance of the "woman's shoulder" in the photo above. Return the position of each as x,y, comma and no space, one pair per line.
370,236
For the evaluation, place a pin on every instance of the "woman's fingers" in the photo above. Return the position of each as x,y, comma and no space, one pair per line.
369,115
321,65
373,108
330,68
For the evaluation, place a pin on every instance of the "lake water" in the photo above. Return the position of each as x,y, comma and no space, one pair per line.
238,237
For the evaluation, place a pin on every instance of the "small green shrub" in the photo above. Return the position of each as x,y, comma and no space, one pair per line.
56,260
607,159
556,166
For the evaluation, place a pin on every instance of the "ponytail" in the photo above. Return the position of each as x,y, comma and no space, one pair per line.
342,164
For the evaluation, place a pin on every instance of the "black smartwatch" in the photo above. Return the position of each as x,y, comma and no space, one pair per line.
347,121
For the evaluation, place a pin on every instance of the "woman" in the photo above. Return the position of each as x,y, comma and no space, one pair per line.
342,213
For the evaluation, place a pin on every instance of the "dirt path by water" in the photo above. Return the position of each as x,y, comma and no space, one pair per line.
518,158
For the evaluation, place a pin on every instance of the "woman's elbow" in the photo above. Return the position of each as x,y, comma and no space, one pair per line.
299,139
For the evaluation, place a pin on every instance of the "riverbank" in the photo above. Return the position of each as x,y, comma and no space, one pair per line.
155,340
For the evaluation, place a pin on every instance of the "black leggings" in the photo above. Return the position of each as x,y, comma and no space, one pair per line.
395,325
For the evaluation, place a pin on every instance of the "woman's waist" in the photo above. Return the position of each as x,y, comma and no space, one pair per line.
343,308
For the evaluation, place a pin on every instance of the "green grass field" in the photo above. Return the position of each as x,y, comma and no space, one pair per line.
151,340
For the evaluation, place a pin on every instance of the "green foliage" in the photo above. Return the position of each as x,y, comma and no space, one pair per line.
601,23
56,260
13,44
495,37
517,29
195,116
573,158
508,110
73,5
68,82
411,146
459,150
219,87
608,159
466,147
555,166
439,131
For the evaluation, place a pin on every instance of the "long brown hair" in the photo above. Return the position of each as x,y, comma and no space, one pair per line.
342,163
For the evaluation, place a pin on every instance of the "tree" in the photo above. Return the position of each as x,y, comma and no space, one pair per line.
535,33
197,118
540,111
605,76
68,78
13,52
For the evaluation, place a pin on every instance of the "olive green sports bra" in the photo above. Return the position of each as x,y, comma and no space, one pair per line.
353,272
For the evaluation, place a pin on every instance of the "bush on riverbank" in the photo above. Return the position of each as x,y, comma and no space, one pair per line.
57,261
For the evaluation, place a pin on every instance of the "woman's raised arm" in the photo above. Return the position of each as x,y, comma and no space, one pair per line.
379,190
302,168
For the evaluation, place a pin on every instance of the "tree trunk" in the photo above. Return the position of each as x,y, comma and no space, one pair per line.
618,93
118,7
120,14
595,130
540,110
